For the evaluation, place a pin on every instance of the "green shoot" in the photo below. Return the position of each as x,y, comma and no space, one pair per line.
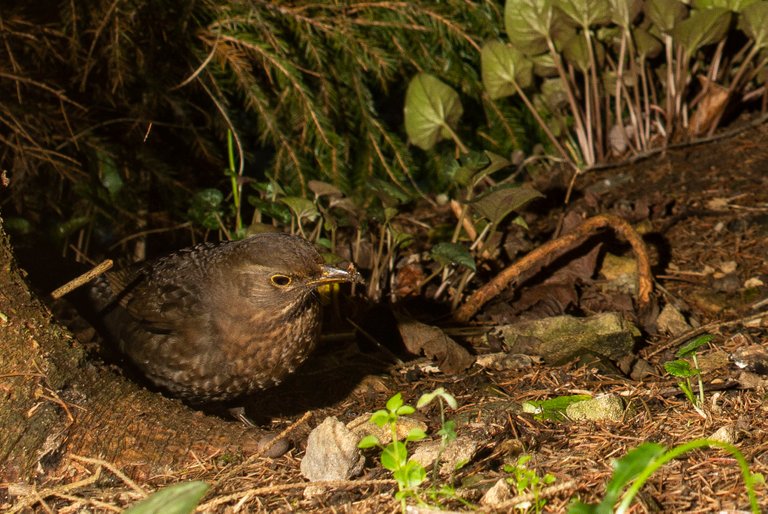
394,456
526,480
409,475
681,368
632,471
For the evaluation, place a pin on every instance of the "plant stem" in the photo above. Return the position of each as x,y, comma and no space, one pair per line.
677,451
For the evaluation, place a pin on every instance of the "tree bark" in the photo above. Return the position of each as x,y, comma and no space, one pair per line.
55,402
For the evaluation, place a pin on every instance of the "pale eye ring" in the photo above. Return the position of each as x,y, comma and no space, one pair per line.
280,280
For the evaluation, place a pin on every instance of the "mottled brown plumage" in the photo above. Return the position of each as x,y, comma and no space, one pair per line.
214,322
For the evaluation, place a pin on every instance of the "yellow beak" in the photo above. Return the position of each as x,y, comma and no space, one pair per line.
332,275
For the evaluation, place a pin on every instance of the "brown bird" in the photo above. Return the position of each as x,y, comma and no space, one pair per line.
218,321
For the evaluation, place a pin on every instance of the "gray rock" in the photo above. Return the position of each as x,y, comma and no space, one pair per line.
332,453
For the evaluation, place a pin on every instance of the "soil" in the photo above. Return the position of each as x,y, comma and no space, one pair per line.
703,210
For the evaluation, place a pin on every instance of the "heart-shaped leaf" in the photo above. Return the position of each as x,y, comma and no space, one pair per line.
665,13
432,109
702,28
504,69
753,21
500,201
586,13
453,253
529,23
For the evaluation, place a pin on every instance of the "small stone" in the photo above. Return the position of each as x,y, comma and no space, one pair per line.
605,407
672,321
499,493
726,434
332,453
456,454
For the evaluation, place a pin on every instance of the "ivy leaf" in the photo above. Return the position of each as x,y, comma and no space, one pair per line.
432,110
176,499
453,253
500,201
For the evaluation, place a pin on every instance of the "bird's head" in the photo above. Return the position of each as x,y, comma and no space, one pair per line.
277,268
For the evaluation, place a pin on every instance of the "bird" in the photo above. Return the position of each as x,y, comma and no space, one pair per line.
219,321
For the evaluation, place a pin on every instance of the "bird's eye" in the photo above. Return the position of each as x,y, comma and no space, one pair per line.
280,280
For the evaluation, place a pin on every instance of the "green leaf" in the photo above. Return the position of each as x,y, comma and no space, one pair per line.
626,469
680,369
586,13
176,499
665,13
504,69
395,402
415,434
447,397
529,23
702,28
405,410
647,46
380,418
388,193
690,347
576,52
301,207
623,12
108,174
432,110
753,21
453,253
497,203
205,209
368,441
394,455
579,507
411,475
553,408
731,5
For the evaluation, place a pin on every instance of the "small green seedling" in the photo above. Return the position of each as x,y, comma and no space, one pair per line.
681,368
394,456
409,475
633,470
525,480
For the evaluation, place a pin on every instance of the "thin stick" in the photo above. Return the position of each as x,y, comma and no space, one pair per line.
552,249
703,329
82,279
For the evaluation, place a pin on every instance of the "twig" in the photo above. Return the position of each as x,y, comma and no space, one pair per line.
39,496
271,489
259,452
557,247
113,469
547,492
703,329
82,279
